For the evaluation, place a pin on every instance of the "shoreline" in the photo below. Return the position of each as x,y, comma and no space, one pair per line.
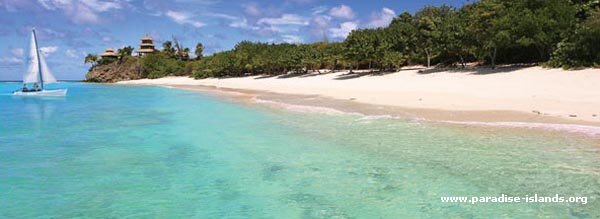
328,92
464,119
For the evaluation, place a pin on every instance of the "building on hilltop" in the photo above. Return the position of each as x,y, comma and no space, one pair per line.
109,54
146,47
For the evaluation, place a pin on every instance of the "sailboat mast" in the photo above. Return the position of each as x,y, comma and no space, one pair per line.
37,52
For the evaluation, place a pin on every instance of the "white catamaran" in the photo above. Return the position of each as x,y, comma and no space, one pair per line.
38,75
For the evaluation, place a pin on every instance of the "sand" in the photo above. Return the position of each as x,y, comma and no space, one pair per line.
564,96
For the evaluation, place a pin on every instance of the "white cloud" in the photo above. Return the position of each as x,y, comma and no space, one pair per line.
383,18
342,11
285,19
318,10
46,51
292,39
243,24
71,53
107,39
183,18
318,26
81,11
344,29
10,60
95,5
101,6
321,21
84,14
301,1
252,10
18,52
260,30
221,15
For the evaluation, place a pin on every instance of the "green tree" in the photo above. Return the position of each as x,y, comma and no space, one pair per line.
582,47
539,25
394,59
334,53
490,28
92,59
168,48
428,22
124,52
199,50
158,65
454,40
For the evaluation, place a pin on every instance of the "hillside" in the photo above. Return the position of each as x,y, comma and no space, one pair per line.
129,68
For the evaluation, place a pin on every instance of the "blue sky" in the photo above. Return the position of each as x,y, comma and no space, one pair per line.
69,29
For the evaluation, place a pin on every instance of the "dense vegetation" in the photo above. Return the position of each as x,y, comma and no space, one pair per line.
557,33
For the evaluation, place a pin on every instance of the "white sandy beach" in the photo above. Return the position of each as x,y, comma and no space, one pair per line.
574,95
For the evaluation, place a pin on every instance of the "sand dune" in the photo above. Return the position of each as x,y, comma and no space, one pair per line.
573,95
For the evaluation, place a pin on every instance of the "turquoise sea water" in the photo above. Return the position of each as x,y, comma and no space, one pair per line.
108,151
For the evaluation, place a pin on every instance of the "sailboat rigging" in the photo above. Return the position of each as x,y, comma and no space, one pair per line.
38,74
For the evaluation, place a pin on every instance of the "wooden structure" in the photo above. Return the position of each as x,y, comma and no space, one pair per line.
146,47
109,53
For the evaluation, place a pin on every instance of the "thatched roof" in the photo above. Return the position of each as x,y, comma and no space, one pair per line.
110,52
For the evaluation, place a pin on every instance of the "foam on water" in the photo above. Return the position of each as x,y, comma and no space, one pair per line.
581,129
571,128
304,108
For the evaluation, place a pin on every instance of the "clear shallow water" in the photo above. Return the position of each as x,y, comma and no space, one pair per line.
138,152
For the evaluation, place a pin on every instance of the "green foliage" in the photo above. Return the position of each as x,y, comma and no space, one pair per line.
429,22
106,60
168,49
160,65
125,52
581,48
174,49
219,65
92,59
199,50
395,60
584,7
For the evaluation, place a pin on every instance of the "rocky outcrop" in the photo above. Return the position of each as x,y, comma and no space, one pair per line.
127,69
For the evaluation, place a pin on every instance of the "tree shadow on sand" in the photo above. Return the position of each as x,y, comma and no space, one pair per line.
291,75
478,70
316,74
353,75
265,76
296,74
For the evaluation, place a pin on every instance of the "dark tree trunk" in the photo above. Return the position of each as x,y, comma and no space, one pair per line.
334,66
428,57
494,57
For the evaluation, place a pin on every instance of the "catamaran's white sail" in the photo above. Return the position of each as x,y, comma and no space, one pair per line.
38,73
32,75
47,76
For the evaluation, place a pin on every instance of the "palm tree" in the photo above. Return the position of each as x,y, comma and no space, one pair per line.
186,53
199,50
93,59
125,51
168,48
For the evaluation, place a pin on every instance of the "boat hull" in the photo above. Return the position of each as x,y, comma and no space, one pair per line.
43,93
